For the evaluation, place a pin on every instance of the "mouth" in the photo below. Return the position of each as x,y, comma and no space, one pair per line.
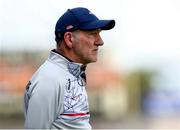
95,49
95,52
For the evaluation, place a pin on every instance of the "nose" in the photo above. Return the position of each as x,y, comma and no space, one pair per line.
99,41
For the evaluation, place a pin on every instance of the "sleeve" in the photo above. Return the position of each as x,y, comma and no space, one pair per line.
42,106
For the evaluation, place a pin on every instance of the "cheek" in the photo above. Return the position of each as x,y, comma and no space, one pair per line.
87,46
84,46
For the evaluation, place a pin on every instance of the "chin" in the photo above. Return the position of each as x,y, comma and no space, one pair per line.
91,60
94,60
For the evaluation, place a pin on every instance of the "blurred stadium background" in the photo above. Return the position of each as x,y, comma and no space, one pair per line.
128,88
117,99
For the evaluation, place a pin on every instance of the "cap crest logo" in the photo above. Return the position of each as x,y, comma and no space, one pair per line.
69,27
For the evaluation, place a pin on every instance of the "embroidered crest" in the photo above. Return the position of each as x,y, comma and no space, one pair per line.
69,27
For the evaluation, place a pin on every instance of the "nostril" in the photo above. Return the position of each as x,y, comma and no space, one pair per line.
102,43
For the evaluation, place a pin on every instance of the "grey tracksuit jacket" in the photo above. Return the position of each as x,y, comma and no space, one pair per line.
55,97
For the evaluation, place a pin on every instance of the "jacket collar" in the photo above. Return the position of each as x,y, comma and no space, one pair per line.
74,68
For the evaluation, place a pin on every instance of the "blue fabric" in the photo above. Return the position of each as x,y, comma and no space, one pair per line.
81,18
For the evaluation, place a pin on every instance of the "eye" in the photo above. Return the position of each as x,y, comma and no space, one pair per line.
93,33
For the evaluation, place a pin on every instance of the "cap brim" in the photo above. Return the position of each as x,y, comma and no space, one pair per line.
102,24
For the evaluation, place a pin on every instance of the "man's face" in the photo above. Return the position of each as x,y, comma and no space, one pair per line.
85,45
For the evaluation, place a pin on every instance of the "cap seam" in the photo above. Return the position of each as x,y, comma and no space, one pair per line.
74,15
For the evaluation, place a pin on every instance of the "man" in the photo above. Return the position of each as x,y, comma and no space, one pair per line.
55,97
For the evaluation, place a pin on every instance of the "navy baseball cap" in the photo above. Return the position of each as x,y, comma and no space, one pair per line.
80,19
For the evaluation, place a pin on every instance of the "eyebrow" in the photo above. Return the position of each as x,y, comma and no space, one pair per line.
94,30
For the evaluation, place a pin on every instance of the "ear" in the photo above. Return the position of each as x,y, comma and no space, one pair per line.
68,39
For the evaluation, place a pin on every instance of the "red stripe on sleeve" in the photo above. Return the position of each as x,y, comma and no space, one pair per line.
75,114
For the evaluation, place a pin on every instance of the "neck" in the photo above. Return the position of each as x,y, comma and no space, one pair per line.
68,53
55,50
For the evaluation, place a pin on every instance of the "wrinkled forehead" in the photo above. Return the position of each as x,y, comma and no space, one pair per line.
84,32
90,31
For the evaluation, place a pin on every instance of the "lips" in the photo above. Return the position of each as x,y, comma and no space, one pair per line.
95,52
95,49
